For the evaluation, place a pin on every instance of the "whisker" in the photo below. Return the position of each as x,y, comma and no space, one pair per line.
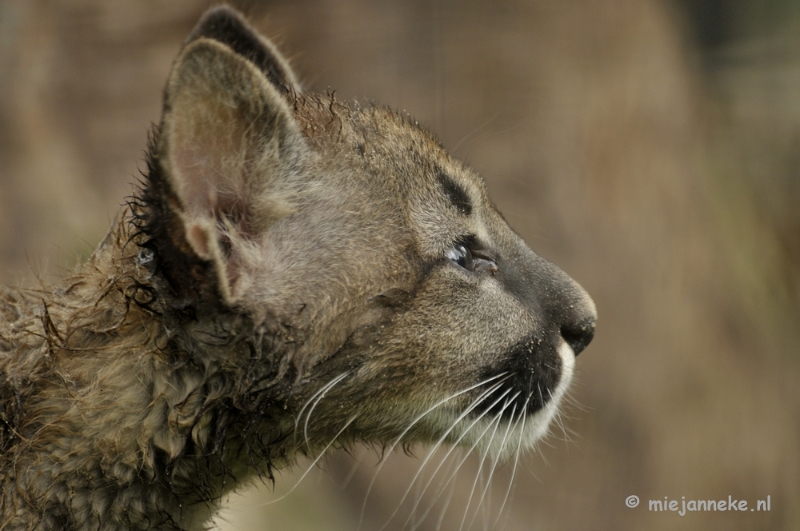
316,397
496,422
474,132
449,497
541,397
560,424
460,438
475,403
322,389
496,458
466,455
503,375
314,405
419,518
313,463
524,417
443,481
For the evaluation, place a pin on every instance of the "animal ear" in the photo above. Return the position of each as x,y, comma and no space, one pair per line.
227,26
226,149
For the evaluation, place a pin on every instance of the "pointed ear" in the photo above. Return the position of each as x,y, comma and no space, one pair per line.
226,149
227,26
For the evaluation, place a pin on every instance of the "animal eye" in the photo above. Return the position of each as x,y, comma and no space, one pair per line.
460,256
472,259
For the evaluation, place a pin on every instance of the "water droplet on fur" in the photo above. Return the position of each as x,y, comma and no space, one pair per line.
146,256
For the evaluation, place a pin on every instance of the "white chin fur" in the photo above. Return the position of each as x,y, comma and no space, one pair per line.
505,439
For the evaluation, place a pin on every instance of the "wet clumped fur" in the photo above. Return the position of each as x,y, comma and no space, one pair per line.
295,273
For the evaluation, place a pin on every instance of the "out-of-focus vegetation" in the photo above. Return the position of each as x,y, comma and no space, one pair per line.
648,147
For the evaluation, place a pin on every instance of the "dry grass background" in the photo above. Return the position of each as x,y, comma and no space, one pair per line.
669,189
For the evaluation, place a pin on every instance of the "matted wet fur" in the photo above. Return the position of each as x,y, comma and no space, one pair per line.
295,274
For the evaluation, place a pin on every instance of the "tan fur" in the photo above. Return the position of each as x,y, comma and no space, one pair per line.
288,279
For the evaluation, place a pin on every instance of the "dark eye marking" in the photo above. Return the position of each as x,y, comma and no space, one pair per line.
455,193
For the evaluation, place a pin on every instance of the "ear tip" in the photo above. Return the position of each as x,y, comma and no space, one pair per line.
229,27
216,20
196,62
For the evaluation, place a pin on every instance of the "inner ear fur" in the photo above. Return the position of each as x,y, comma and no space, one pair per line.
226,144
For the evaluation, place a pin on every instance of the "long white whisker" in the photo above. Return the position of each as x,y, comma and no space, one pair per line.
475,403
496,422
560,422
316,397
496,459
419,518
313,463
516,461
461,437
541,397
414,421
441,486
486,498
322,389
447,500
463,459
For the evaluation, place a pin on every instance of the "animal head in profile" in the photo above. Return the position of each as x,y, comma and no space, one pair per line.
404,306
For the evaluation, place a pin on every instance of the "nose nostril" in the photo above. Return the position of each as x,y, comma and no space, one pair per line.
579,335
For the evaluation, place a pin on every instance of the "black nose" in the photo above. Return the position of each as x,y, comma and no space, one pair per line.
579,334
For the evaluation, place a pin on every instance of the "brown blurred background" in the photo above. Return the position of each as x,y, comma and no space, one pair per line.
648,147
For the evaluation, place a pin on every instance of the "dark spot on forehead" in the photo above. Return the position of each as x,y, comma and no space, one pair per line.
455,192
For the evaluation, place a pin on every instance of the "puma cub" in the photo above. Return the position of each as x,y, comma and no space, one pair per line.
295,273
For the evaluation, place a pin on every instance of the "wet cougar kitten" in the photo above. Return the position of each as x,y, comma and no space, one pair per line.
295,273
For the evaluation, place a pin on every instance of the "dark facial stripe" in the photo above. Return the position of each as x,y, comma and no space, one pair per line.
455,193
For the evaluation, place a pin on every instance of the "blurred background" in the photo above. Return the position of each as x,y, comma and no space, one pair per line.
648,147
